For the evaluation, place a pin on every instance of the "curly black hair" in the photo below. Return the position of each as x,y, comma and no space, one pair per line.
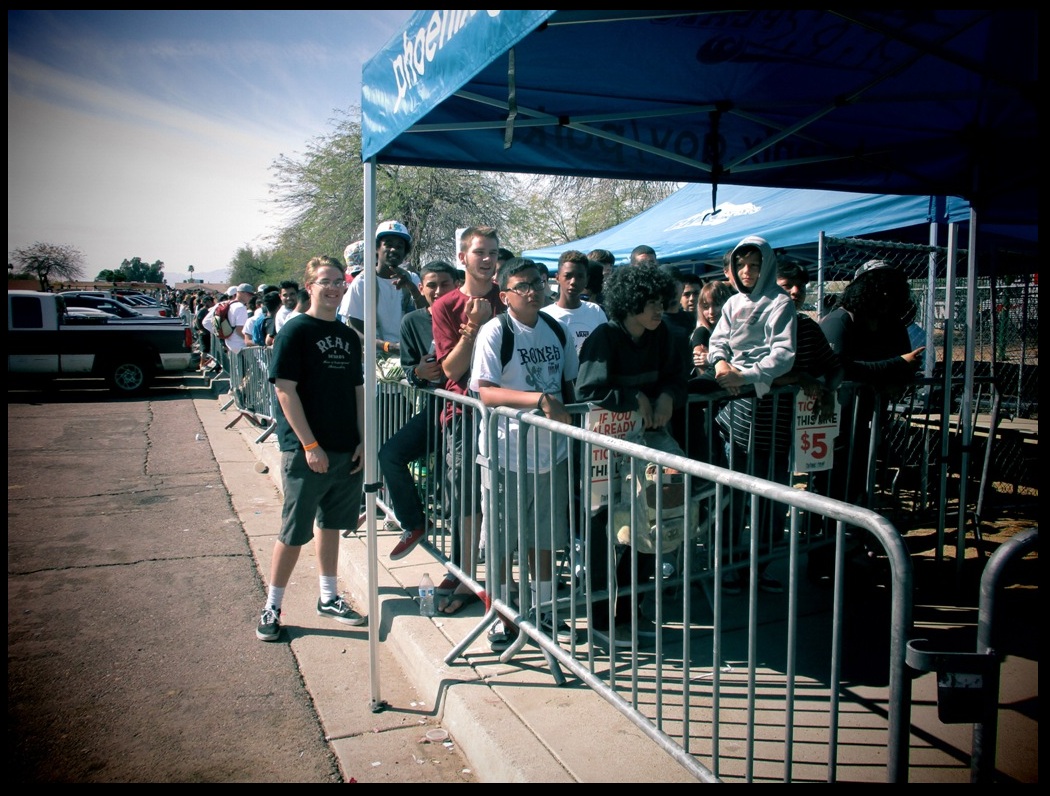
881,294
630,288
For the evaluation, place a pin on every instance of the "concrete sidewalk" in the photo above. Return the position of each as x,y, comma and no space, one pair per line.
512,721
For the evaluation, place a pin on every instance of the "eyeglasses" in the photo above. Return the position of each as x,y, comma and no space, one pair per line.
524,288
327,283
690,293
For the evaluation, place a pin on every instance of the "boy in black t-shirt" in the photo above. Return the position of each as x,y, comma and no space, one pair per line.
316,372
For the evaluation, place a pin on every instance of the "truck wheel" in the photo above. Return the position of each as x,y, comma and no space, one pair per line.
128,378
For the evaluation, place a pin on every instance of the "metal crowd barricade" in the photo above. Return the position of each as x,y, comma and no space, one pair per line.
685,670
220,358
251,393
968,682
447,485
728,685
694,669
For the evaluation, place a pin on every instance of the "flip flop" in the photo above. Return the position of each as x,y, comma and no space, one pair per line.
447,586
457,602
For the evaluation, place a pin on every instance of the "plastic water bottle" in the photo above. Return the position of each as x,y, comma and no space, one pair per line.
426,596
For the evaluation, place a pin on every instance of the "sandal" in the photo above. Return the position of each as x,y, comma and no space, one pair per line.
447,586
457,601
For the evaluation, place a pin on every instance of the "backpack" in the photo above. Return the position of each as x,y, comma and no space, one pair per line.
507,341
221,319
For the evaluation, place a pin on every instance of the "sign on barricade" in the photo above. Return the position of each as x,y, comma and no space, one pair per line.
604,463
814,435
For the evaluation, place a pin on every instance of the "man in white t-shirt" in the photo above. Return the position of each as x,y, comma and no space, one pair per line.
238,316
397,291
289,298
579,317
209,320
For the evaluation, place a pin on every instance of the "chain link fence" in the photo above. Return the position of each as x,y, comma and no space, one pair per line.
1005,355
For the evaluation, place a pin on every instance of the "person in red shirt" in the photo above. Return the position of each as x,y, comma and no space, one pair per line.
457,316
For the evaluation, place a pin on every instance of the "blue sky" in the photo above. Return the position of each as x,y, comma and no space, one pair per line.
150,133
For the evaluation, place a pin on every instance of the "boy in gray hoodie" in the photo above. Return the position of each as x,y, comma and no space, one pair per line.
751,345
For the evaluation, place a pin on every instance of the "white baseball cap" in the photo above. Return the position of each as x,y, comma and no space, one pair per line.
872,265
394,228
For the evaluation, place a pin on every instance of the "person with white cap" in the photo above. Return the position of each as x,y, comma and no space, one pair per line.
238,316
397,293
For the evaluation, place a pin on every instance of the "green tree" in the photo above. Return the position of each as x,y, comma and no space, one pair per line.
49,262
250,266
111,276
138,271
321,194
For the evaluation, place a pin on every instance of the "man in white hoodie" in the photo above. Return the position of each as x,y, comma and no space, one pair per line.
751,345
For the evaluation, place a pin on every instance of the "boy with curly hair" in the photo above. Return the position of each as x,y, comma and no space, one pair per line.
631,363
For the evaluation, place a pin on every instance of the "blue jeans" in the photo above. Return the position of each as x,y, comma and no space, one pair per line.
419,436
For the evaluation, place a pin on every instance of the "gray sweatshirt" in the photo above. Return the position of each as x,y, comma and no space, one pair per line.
756,333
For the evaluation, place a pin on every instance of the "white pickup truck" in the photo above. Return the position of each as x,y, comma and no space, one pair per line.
46,340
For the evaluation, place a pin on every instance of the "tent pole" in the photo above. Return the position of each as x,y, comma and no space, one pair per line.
930,355
368,273
946,403
966,416
820,275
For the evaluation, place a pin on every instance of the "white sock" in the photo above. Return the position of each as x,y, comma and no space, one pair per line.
274,598
328,588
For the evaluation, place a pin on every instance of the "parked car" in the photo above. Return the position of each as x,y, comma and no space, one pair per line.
139,299
108,306
90,313
143,308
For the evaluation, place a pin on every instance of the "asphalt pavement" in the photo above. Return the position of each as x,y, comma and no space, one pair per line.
137,531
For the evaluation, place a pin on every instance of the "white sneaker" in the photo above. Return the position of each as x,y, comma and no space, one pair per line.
621,637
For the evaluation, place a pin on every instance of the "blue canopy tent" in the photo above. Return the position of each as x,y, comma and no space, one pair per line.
920,102
916,102
686,233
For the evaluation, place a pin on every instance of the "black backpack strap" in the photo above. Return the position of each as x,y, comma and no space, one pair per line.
559,330
506,345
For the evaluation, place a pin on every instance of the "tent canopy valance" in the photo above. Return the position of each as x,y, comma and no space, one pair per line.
905,102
